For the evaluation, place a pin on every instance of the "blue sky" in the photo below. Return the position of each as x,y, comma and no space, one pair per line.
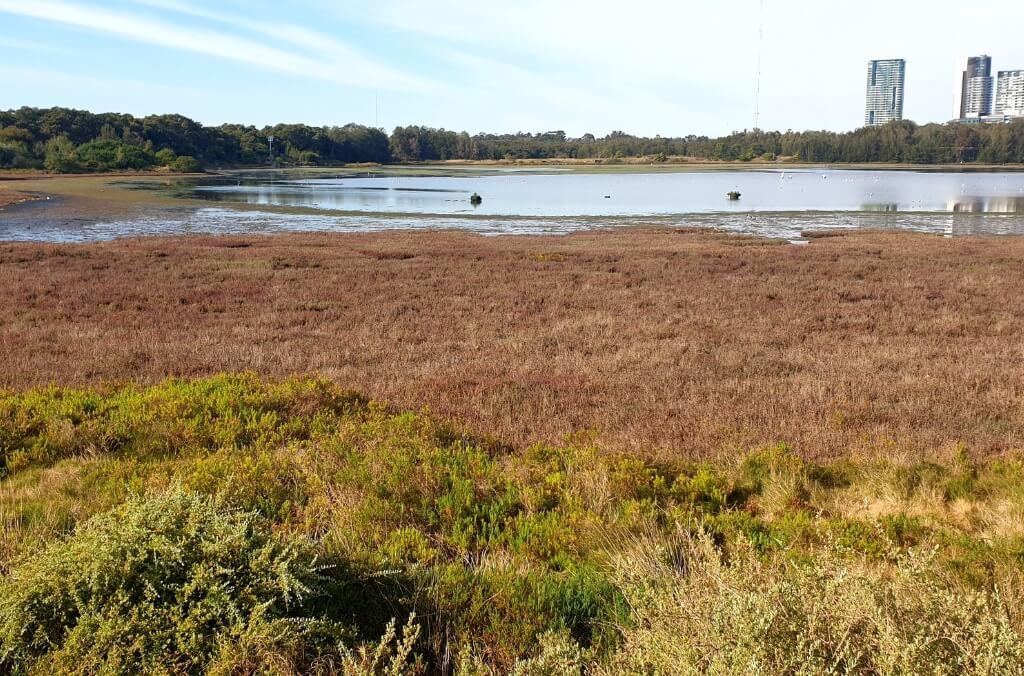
669,67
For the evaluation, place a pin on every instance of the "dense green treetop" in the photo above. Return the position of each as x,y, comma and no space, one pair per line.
62,140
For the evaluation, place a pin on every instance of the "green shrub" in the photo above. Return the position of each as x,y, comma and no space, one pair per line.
499,611
60,155
107,154
186,165
165,583
165,157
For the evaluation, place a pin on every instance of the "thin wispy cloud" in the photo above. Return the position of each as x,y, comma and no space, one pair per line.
356,71
328,49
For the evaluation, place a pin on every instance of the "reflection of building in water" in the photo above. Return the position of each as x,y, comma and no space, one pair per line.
963,206
992,205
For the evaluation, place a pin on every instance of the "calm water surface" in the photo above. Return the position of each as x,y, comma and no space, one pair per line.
633,194
774,203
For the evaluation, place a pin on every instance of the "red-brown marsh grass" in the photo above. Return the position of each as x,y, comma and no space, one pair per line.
678,342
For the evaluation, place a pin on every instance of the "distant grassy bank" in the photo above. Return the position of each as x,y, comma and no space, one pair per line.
234,525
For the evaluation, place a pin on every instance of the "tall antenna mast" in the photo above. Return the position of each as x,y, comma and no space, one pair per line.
757,89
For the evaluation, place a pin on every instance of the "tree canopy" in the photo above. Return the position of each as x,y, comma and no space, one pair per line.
64,140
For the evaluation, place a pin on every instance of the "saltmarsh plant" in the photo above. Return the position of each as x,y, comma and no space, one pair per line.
697,611
543,558
42,426
163,584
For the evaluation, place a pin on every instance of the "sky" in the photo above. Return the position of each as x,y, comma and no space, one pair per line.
650,67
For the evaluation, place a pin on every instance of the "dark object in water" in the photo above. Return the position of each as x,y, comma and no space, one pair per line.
733,194
607,197
475,199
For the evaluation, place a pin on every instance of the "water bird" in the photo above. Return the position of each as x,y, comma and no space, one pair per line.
733,194
475,199
607,197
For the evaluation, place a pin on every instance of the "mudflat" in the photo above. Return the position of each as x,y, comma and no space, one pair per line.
11,197
680,342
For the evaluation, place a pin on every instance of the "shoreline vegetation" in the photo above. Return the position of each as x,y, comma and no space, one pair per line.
238,525
70,141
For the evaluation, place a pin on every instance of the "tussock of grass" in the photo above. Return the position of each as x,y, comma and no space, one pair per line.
238,525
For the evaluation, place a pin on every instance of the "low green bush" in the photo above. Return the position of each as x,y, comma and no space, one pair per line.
162,584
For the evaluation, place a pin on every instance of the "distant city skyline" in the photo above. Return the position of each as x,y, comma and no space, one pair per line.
980,97
647,67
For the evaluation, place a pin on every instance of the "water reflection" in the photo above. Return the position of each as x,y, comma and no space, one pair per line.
638,194
991,205
774,204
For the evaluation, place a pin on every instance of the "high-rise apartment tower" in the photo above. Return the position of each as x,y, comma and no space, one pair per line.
885,91
1010,93
974,88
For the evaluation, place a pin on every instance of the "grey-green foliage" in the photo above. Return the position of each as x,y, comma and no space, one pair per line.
172,583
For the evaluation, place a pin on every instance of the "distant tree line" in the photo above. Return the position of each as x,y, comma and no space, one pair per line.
64,140
896,142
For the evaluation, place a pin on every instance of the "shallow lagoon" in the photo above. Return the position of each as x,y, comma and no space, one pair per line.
776,203
637,194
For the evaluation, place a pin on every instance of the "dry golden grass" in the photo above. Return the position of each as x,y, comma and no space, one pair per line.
693,343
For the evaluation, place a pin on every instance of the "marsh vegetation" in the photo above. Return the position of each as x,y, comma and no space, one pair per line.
233,525
687,342
653,451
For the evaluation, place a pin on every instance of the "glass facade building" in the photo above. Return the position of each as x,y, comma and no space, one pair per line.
974,88
886,78
1010,93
